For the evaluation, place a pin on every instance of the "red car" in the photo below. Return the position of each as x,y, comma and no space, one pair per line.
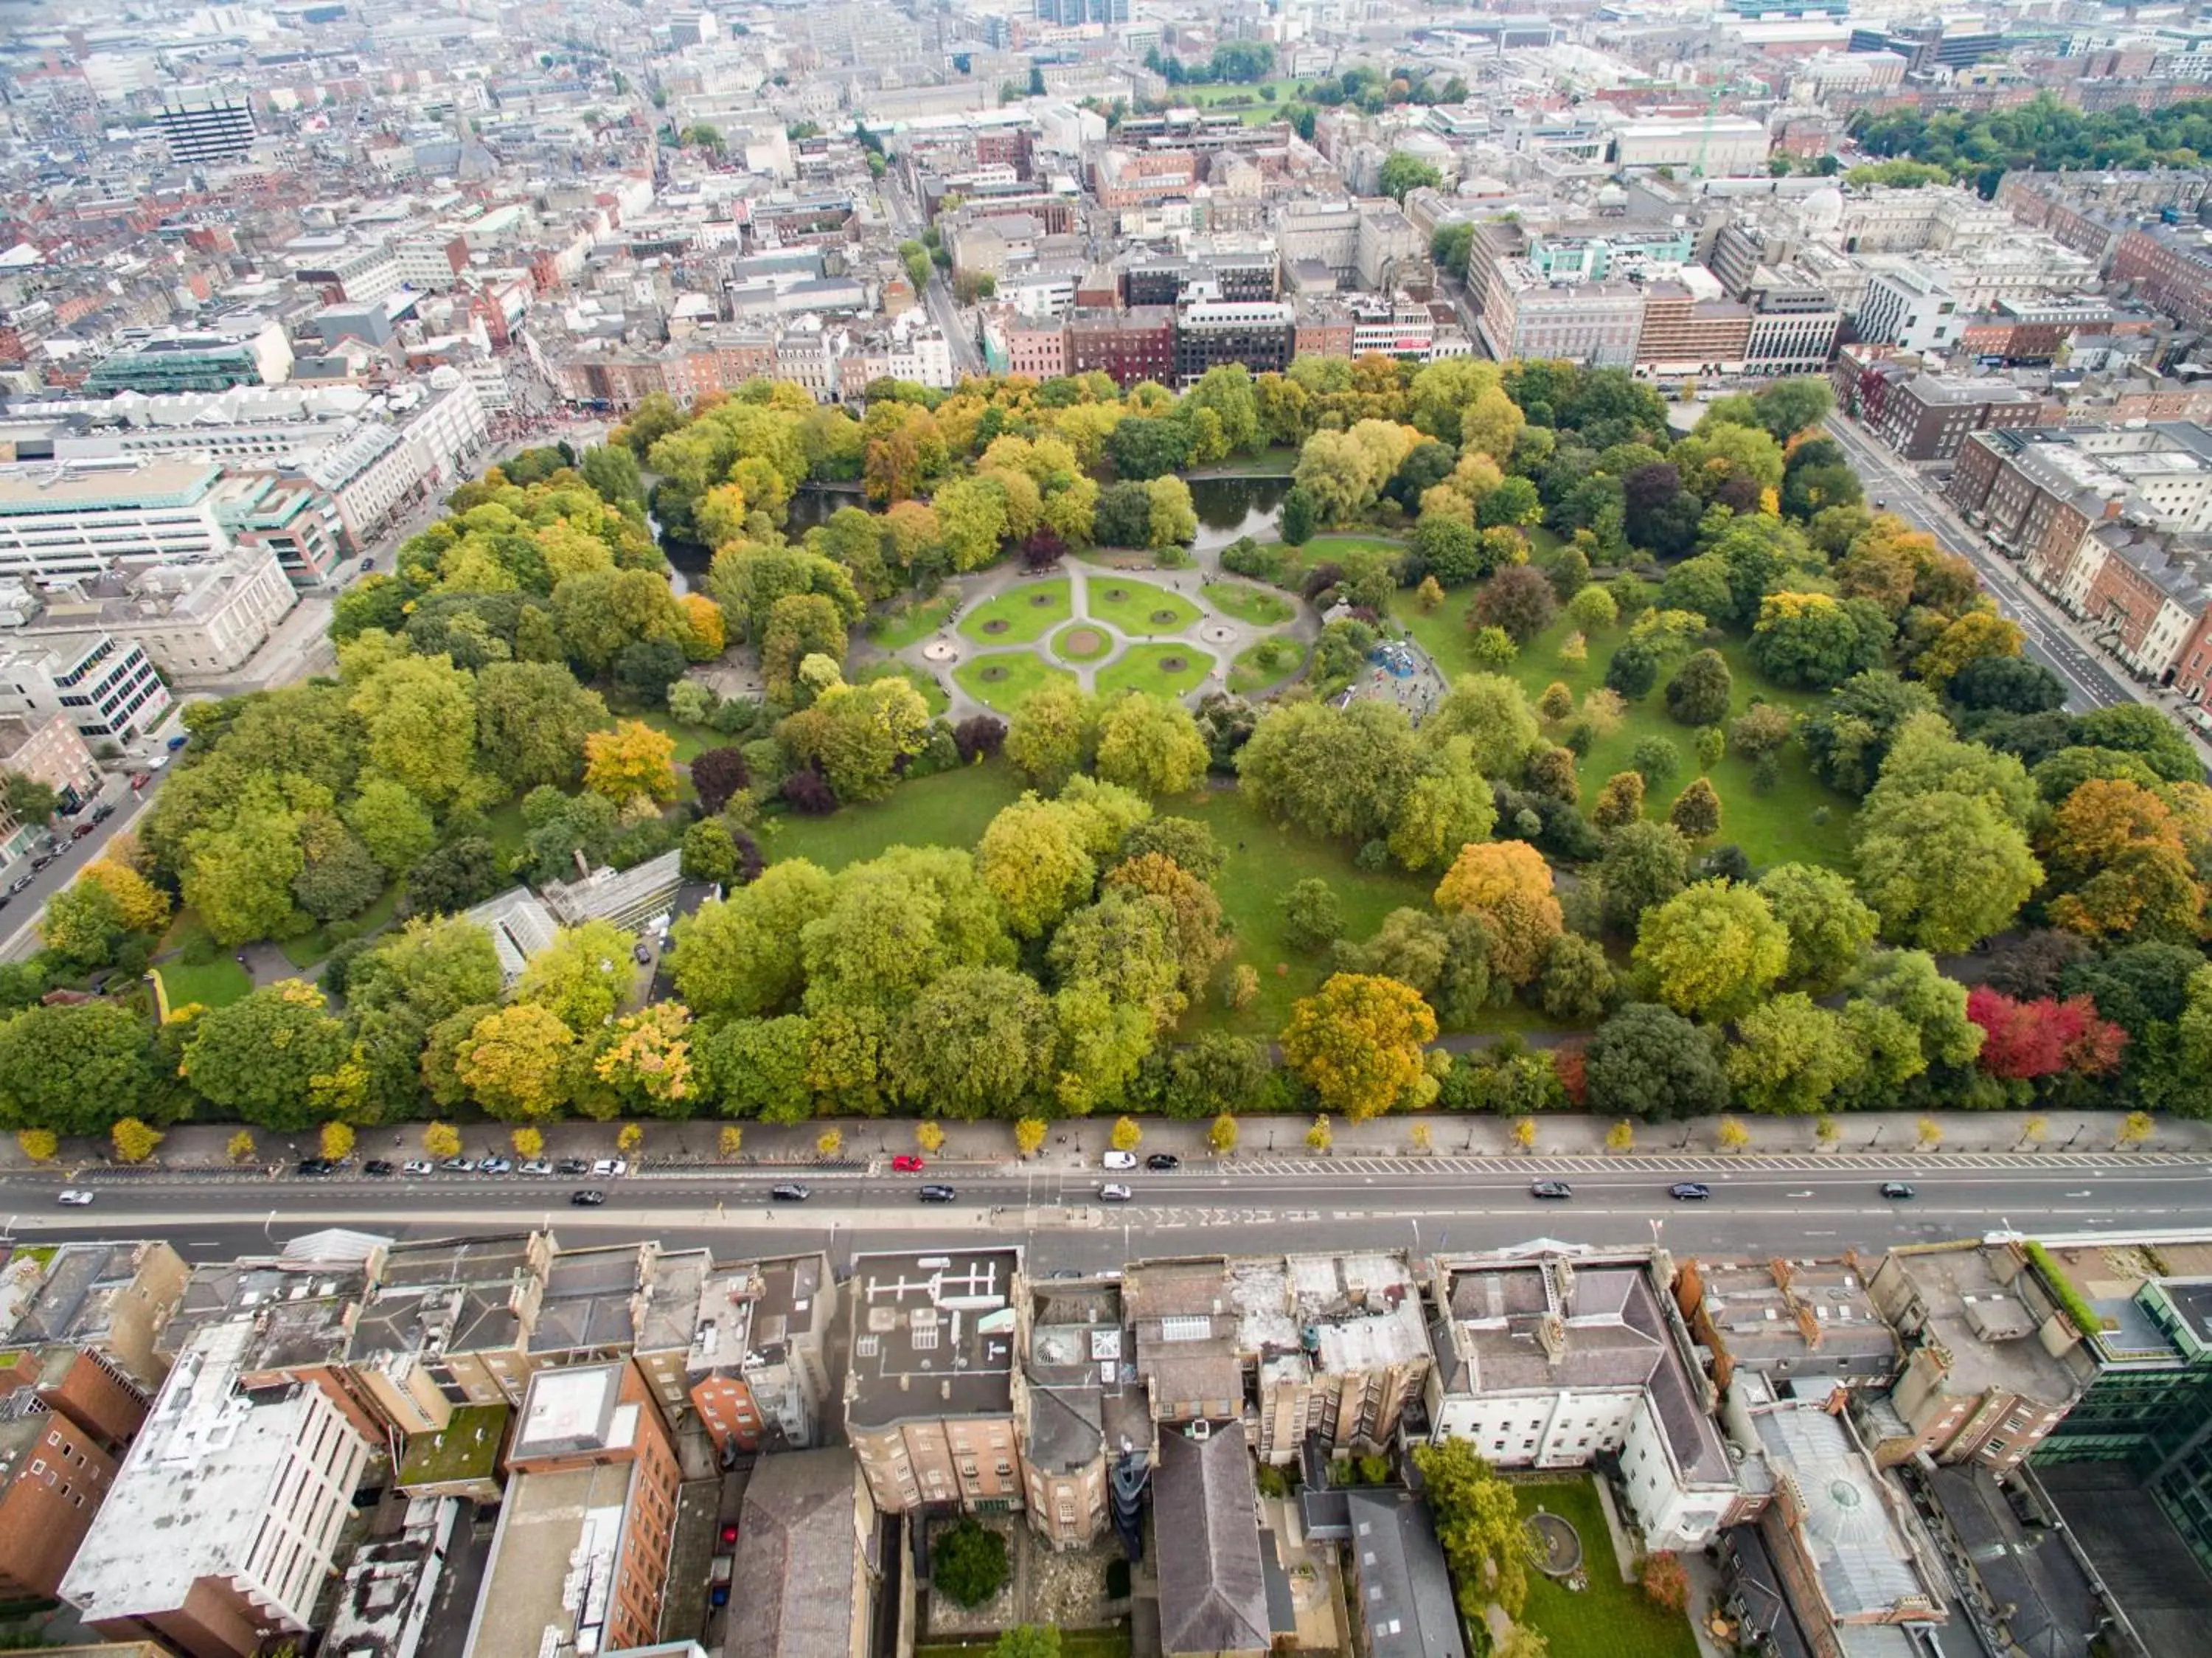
907,1164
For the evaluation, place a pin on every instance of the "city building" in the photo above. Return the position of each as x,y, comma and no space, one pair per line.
1928,417
105,687
1525,315
1552,1361
580,1560
1911,307
1213,1594
205,123
758,1369
1711,146
445,1326
197,621
53,1478
1397,1578
1213,333
111,1302
2171,266
248,350
1082,1412
1801,1322
90,519
929,1395
53,753
221,1524
809,1567
1128,346
391,1585
1985,1378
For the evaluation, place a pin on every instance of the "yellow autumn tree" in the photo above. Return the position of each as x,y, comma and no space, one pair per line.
139,904
511,1062
1506,885
705,635
630,761
648,1062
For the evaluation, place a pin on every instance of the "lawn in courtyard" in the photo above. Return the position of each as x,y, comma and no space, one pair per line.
1610,1619
1019,616
1801,820
1002,679
1265,663
217,984
951,808
1260,863
1138,609
1082,642
1258,113
1248,603
1169,670
910,623
920,679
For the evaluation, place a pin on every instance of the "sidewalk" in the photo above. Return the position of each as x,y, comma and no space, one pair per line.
1076,1143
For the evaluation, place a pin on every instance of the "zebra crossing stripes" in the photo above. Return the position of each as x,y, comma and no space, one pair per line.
1690,1163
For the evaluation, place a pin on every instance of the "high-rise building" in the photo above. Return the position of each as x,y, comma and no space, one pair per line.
1071,13
206,123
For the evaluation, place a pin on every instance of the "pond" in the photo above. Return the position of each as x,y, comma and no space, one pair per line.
1228,507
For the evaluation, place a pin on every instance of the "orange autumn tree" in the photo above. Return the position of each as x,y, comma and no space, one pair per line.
1507,885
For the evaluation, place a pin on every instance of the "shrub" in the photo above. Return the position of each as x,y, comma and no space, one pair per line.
808,793
969,1564
2071,1302
1664,1581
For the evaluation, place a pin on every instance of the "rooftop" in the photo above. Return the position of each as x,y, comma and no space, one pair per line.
1205,1514
463,1295
667,1303
932,1335
575,1411
796,1560
1084,1394
77,1303
550,1577
50,488
1974,1312
291,1317
1781,1315
465,1449
388,1583
1864,1563
590,1299
2043,1600
1406,1592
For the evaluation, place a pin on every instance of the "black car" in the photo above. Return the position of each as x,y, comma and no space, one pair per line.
101,812
1161,1161
1896,1189
378,1167
1550,1189
1689,1192
570,1168
789,1191
938,1194
316,1168
590,1197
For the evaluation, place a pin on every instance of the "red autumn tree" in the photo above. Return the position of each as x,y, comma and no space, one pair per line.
1573,1066
2025,1041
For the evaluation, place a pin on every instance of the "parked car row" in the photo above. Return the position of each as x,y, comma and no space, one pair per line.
318,1168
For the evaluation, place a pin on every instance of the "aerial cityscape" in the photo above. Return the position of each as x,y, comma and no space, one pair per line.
1071,828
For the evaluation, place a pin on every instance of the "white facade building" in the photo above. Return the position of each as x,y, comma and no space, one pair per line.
105,687
91,520
229,1505
1913,307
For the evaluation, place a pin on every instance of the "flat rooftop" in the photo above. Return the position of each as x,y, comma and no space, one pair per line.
668,1304
553,1560
588,1299
47,487
933,1336
1981,1321
460,1295
1780,1314
575,1411
292,1318
466,1447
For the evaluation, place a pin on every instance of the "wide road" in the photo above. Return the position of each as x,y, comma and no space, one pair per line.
1813,1204
2088,683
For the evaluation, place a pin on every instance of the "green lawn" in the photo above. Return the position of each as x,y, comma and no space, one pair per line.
1776,828
907,624
507,830
1073,1643
1019,616
1248,673
1261,862
1139,609
1002,679
922,681
1610,1619
1247,603
1081,642
691,740
1259,112
950,809
1147,668
217,985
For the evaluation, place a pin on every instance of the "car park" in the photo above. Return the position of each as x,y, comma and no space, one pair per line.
1162,1162
938,1194
377,1167
587,1198
789,1191
1689,1192
1896,1189
1119,1159
1115,1192
1559,1189
316,1168
416,1165
906,1163
74,1198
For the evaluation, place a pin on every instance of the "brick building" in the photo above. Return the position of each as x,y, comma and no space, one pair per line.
53,1476
2172,267
1129,346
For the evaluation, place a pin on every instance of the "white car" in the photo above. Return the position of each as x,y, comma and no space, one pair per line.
75,1199
610,1168
1119,1159
536,1165
417,1166
1115,1193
